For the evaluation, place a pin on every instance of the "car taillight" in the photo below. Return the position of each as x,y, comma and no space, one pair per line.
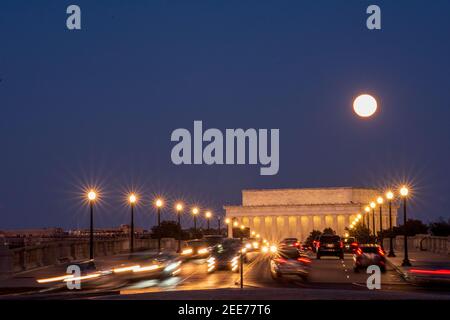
354,244
359,251
380,252
280,260
296,244
341,244
318,244
304,260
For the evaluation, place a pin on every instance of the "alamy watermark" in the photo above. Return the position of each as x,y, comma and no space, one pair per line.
240,145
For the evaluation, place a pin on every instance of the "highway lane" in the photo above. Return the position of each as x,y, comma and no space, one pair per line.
326,273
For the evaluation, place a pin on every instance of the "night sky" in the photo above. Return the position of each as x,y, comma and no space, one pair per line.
98,106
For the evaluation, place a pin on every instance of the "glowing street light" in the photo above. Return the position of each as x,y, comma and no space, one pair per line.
404,193
92,195
179,209
208,216
132,199
159,203
390,196
195,213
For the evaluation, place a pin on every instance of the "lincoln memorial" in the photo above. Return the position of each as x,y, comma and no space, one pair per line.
283,213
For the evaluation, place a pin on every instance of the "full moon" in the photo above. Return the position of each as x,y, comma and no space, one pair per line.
365,105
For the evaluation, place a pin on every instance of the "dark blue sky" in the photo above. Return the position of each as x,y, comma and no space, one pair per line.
99,105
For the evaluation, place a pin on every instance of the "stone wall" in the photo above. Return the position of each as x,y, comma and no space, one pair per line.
422,242
52,253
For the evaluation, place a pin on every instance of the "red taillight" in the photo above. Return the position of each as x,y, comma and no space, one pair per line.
297,244
437,272
280,260
341,244
380,252
318,244
354,244
359,251
304,260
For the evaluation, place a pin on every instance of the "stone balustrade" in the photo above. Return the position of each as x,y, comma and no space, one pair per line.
52,253
422,242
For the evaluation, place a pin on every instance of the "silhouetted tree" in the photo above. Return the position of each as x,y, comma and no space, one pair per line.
440,228
413,227
168,229
312,236
361,234
329,231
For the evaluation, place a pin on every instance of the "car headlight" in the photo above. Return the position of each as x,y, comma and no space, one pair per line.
172,266
255,245
248,246
273,249
186,251
202,251
265,249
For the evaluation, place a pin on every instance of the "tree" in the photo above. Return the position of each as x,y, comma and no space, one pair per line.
312,236
440,228
329,231
413,227
361,234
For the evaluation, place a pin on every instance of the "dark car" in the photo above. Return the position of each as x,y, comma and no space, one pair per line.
350,244
367,255
330,245
213,240
226,256
289,243
288,262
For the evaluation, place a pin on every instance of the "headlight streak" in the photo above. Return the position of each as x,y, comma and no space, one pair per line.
202,251
172,266
125,269
54,279
186,251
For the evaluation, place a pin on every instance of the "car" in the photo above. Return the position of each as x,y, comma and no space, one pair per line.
329,245
214,239
196,249
148,265
289,262
252,244
289,242
350,244
226,256
367,255
305,247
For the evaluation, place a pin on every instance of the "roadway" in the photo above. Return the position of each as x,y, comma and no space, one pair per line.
328,277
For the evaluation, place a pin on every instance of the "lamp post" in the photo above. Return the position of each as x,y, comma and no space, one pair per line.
218,225
242,256
159,203
208,216
380,201
179,209
132,199
404,193
367,210
373,205
390,196
195,213
92,195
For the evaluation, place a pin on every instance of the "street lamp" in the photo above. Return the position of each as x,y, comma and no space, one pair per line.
179,209
159,203
373,205
195,213
390,196
208,216
380,201
404,193
132,199
367,210
92,195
